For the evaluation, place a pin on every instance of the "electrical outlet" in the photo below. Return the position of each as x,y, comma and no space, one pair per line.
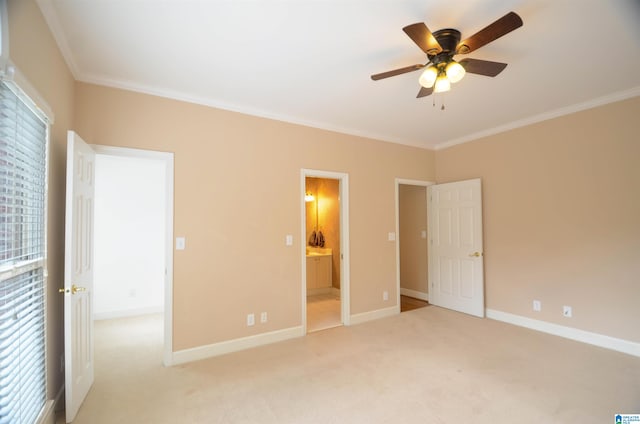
251,320
263,317
537,305
567,312
385,295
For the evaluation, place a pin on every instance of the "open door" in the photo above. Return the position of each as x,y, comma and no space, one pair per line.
456,265
78,273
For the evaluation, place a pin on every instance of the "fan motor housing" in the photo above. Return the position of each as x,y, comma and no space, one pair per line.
448,38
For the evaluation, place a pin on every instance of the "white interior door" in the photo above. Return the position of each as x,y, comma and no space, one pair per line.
78,273
456,265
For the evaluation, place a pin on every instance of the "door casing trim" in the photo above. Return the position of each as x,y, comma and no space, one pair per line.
345,282
167,158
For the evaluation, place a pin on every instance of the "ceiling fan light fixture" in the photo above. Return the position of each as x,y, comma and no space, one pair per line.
455,71
442,84
428,77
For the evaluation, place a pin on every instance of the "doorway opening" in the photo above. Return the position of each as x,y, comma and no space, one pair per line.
413,244
325,290
134,241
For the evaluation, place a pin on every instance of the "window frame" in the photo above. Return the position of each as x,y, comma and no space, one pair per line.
16,81
24,267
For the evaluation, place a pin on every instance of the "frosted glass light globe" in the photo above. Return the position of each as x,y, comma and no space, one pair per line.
442,84
455,71
428,77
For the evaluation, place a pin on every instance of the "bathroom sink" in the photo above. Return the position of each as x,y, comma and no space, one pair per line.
318,251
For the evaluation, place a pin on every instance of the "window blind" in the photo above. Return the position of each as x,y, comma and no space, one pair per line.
23,156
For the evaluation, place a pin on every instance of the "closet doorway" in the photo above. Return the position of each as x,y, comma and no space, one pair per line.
134,238
412,245
325,239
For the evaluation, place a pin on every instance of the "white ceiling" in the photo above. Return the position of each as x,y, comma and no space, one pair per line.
309,61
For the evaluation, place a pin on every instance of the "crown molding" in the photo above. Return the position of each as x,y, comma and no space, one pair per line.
556,113
51,18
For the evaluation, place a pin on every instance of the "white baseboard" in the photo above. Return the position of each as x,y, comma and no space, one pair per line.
48,415
371,315
128,313
229,346
415,294
607,342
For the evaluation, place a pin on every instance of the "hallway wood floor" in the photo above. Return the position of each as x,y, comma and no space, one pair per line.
410,303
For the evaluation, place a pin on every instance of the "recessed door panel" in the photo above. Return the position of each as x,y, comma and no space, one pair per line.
78,274
456,265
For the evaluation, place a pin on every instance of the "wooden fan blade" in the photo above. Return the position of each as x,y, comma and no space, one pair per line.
482,67
421,35
395,72
502,26
424,92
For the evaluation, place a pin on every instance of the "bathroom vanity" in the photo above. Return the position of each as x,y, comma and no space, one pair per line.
318,269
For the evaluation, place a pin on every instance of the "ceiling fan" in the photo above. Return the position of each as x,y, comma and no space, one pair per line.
442,45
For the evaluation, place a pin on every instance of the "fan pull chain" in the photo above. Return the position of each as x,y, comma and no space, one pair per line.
434,102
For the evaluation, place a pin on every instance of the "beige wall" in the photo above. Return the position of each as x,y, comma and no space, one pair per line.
33,50
561,217
236,261
561,204
412,205
326,192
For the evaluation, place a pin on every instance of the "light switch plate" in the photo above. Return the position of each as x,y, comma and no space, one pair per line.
180,243
423,234
288,240
392,236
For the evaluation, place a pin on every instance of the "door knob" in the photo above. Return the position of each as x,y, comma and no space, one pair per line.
475,254
74,289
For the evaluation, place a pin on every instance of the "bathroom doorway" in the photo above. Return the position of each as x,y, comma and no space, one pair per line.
325,288
412,246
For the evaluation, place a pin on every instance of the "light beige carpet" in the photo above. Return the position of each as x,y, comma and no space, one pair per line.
429,365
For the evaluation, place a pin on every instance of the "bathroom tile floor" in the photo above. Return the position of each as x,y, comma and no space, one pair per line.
323,311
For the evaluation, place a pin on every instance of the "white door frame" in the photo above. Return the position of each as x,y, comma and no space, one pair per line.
405,182
345,302
167,158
